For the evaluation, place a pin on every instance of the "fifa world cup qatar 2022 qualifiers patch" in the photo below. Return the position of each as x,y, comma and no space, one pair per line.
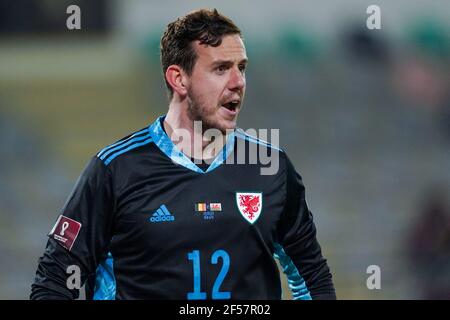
65,231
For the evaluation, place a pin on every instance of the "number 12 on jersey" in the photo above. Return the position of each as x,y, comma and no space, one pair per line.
197,294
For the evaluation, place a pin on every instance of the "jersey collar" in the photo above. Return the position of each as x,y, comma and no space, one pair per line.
166,145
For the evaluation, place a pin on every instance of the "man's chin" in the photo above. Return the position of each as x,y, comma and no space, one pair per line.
223,125
227,125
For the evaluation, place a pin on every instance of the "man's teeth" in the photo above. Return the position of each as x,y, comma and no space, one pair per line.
231,105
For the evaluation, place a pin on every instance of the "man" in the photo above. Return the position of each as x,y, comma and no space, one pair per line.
161,215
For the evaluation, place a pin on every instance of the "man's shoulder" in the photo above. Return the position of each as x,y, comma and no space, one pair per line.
253,147
128,144
251,138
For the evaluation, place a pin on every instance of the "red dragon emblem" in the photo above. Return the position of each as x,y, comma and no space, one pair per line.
249,205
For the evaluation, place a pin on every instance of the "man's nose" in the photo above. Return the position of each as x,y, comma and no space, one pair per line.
237,80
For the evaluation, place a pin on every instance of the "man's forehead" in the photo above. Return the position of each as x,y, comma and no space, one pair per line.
231,48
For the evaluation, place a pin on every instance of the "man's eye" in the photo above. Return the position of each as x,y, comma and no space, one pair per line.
221,69
242,67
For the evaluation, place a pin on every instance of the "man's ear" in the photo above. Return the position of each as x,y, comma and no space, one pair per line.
177,79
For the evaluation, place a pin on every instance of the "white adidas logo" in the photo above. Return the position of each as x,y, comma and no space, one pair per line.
162,215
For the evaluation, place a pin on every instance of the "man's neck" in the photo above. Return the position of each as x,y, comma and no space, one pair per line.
189,138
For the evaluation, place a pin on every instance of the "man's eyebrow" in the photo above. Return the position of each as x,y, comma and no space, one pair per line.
244,61
228,62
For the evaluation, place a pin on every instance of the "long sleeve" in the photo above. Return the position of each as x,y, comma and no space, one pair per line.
80,235
298,249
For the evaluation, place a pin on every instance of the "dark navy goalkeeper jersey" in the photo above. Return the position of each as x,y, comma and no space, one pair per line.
145,222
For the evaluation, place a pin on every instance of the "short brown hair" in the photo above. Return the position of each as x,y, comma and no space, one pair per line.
207,26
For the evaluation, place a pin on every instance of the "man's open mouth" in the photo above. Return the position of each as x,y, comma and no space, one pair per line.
232,105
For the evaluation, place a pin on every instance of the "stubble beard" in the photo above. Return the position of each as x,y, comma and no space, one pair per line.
197,112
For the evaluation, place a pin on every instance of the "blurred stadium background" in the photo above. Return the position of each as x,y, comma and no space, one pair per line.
363,114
